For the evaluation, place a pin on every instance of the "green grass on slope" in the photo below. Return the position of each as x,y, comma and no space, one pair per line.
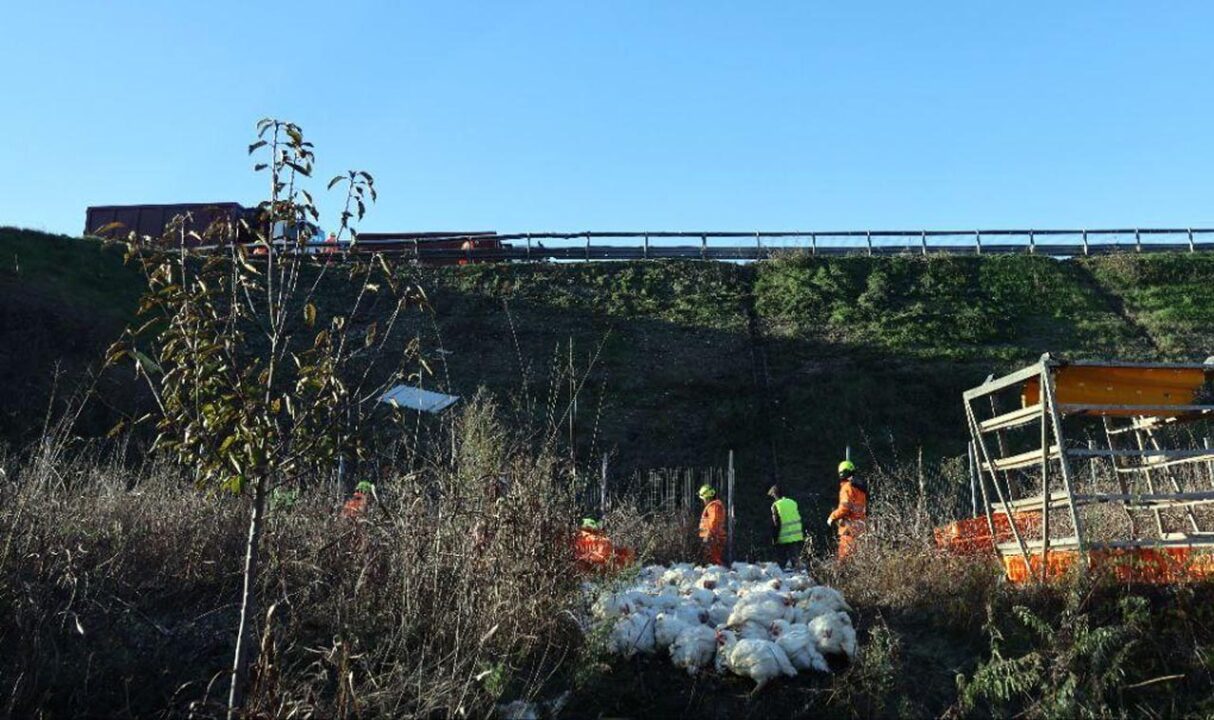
81,273
700,294
1004,307
1171,296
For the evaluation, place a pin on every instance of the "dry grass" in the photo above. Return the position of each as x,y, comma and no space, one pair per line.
120,585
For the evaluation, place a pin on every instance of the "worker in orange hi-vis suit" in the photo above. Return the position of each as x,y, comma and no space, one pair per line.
593,551
712,526
852,512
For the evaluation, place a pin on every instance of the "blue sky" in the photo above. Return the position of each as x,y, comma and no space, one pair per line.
569,115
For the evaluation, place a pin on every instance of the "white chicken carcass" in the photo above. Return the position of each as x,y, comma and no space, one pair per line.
834,635
718,613
712,578
702,597
798,643
613,605
667,627
679,575
665,601
751,630
772,570
799,581
694,648
726,641
819,600
829,597
747,572
763,607
759,660
632,634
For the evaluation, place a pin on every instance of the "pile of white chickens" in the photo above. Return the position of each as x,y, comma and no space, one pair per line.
757,621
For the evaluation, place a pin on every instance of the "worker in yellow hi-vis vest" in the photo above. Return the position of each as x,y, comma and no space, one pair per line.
786,532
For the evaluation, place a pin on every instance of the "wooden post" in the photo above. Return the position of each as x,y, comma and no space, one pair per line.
729,484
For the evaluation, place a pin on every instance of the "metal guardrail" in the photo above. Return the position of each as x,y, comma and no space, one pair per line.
759,245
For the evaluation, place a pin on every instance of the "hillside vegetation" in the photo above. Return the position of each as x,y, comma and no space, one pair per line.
121,579
785,361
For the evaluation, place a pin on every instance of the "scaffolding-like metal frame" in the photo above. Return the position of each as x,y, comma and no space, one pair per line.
1144,460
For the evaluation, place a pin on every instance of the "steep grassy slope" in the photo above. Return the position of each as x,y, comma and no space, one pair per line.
785,362
62,301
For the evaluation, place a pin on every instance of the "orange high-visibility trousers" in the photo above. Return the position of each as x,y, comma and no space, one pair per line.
849,532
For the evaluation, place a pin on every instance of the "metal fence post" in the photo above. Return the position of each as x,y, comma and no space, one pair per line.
729,481
1209,463
923,241
1137,240
868,238
1192,248
813,243
587,246
758,246
1032,243
978,242
603,488
1085,242
528,246
703,247
969,456
646,246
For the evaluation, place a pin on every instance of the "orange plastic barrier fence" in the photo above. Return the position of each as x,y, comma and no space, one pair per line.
973,535
1131,565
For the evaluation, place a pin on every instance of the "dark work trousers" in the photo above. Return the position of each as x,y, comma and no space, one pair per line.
788,554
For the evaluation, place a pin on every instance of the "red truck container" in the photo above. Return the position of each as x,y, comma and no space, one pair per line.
153,220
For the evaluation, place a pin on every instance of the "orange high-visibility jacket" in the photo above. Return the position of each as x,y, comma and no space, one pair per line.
593,550
355,506
853,506
712,522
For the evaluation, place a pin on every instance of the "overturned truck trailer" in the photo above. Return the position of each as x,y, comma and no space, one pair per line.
1094,465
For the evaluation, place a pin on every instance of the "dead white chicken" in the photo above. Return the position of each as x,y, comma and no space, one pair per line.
759,660
798,643
633,634
694,648
834,634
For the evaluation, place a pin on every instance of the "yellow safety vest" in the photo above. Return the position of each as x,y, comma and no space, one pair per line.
790,521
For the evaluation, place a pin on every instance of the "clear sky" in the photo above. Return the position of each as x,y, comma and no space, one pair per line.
613,115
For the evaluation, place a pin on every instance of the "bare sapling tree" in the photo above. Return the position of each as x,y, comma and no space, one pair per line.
261,378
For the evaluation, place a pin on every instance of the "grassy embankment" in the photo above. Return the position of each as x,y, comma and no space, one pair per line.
783,362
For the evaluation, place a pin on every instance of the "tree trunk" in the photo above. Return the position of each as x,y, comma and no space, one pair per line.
248,604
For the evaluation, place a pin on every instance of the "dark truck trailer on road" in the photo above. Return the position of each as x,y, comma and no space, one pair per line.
153,220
